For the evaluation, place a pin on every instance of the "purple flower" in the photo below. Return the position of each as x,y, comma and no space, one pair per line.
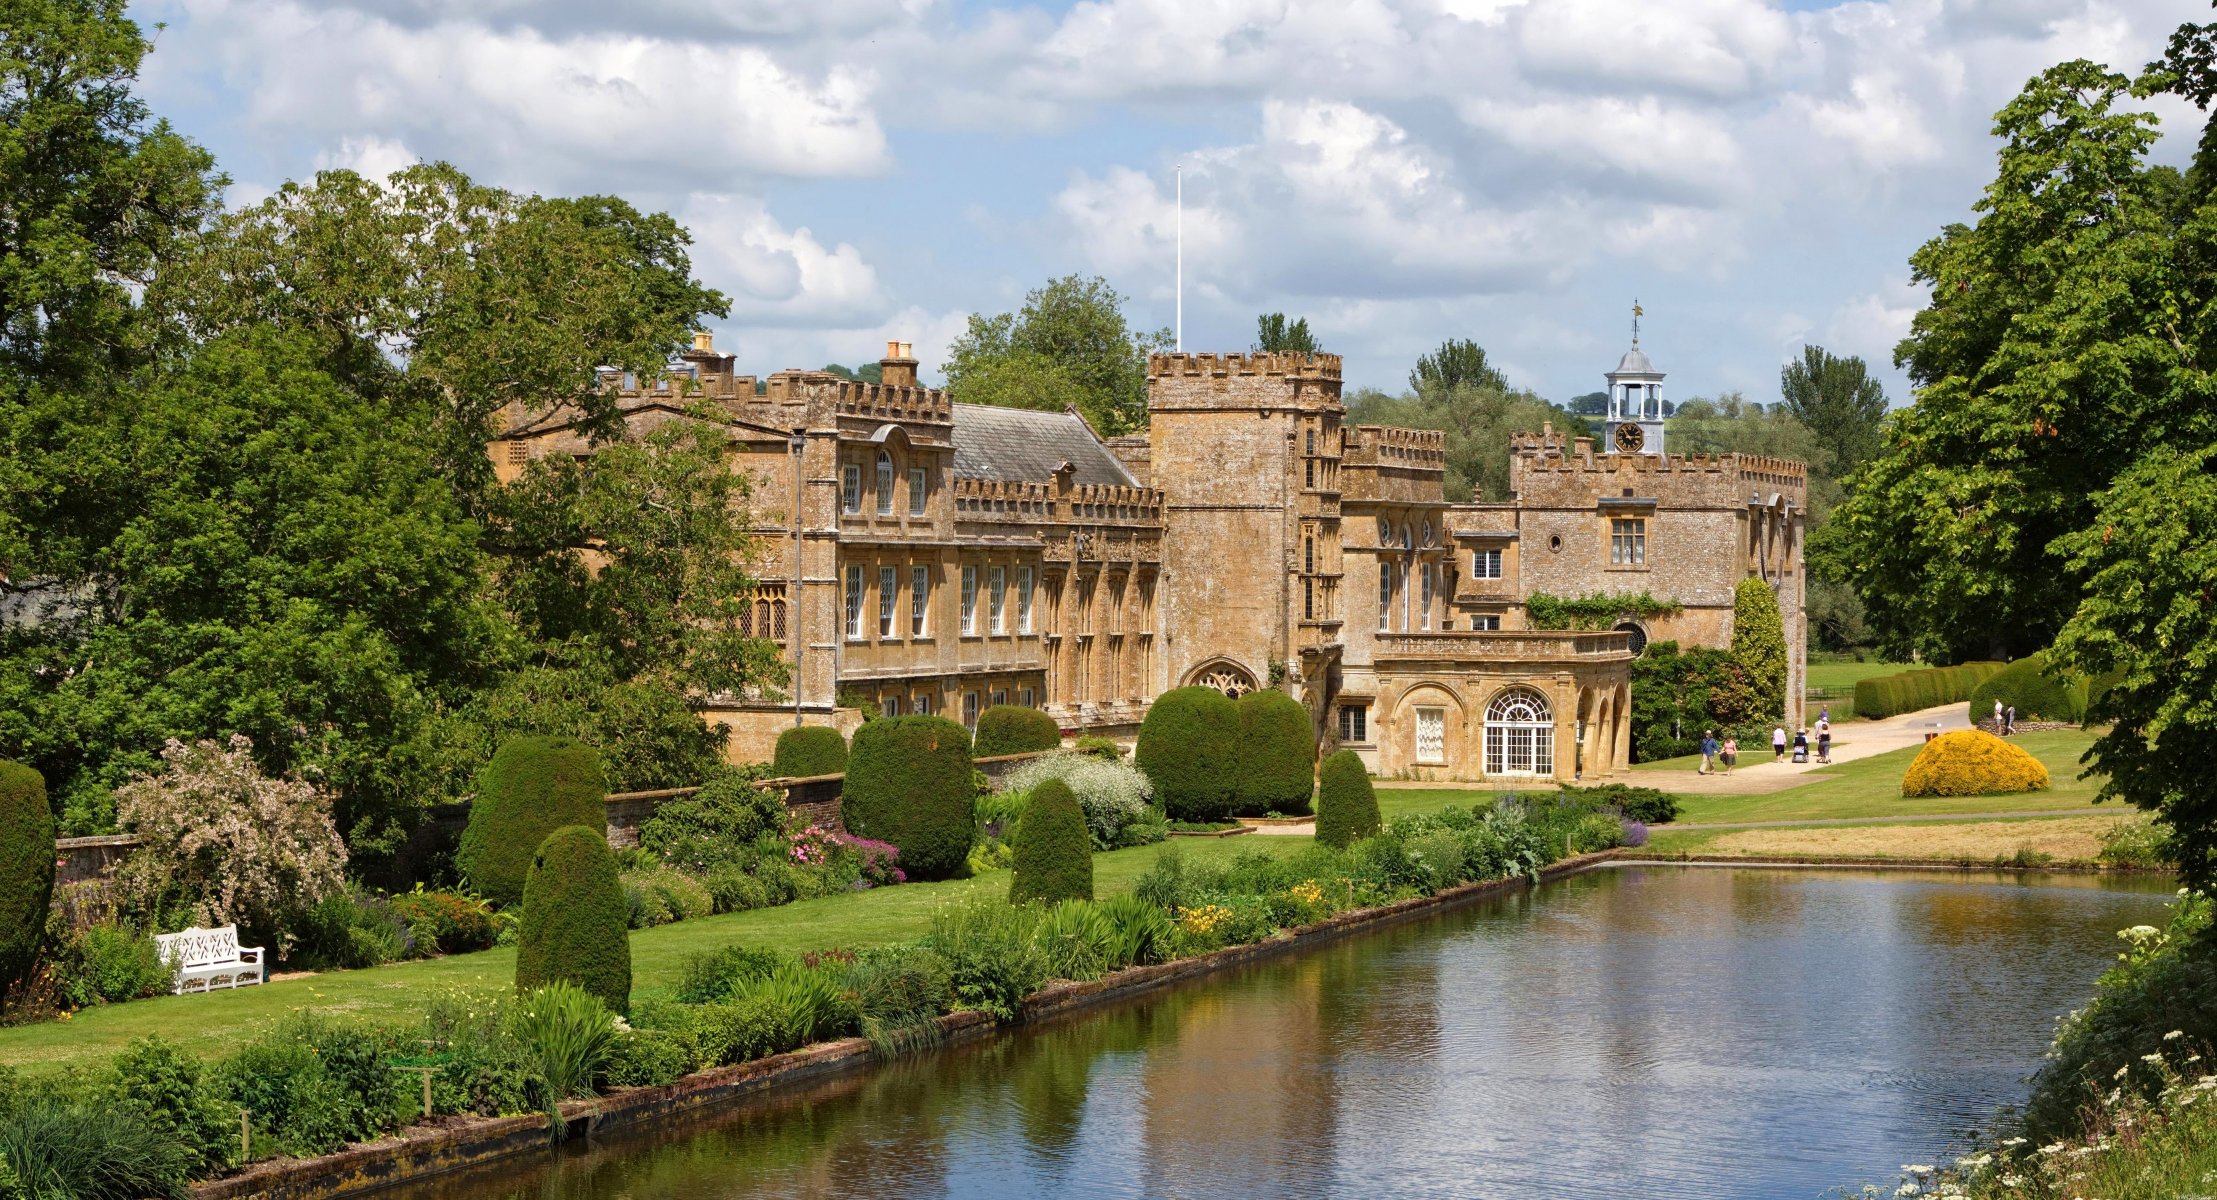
1635,833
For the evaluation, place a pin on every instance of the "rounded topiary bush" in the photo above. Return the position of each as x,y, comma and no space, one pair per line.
533,786
575,919
909,782
1189,748
1346,805
809,750
1277,754
1014,729
1972,762
26,870
1054,850
2038,694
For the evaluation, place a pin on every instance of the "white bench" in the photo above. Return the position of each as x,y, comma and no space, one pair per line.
205,959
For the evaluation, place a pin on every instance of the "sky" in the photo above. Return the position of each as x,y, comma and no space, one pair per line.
1516,172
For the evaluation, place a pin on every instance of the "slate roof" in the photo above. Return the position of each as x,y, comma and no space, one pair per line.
1020,444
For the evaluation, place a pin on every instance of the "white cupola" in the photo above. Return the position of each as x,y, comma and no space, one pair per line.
1635,401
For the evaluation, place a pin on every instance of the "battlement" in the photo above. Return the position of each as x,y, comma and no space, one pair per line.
1293,365
1030,501
1392,446
1544,452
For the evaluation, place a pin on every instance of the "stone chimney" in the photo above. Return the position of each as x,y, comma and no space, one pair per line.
898,367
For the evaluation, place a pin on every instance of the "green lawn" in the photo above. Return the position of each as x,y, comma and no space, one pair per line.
1843,676
1869,787
213,1024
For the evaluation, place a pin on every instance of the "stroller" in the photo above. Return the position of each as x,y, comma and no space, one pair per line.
1801,747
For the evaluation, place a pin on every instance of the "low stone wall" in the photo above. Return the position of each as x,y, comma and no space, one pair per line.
1989,725
81,860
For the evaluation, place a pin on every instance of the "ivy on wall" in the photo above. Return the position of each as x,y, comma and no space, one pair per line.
1595,610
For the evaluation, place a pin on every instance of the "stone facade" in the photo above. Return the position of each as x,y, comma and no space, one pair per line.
918,555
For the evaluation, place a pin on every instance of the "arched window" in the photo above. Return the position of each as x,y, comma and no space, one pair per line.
1308,555
885,483
1639,637
1520,734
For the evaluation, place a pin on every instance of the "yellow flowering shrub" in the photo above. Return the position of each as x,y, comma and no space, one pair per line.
1203,920
1971,762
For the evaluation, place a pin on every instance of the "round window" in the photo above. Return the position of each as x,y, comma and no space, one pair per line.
1427,533
1385,532
1555,543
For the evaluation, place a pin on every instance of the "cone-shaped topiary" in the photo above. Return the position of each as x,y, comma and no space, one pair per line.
909,782
26,870
575,920
809,750
1189,748
1054,852
1346,805
1277,754
533,786
1014,729
1972,762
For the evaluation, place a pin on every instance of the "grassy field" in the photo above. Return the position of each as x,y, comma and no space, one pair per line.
1843,676
2071,838
215,1023
1869,787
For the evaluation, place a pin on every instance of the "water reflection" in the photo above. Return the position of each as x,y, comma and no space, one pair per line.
1653,1031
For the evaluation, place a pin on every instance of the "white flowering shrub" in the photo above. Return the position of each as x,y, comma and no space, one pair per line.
1115,796
227,845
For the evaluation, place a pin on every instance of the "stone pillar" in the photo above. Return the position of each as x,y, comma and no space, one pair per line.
1620,751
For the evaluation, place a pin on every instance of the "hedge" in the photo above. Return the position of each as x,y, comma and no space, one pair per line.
575,919
808,750
1054,850
533,786
2038,694
1189,748
26,870
909,782
1014,729
1972,762
1928,687
1277,755
1346,804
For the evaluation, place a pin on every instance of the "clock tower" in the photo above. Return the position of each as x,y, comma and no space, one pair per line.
1635,421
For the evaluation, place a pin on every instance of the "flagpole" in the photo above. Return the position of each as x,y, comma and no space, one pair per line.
1180,286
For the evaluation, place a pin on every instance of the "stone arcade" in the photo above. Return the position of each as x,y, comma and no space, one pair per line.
948,557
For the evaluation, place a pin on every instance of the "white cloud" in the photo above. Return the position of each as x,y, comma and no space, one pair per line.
775,275
1641,141
1707,47
373,158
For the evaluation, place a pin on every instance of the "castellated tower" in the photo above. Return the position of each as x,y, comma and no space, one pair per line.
1246,451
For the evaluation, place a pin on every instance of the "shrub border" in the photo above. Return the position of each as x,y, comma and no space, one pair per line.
427,1150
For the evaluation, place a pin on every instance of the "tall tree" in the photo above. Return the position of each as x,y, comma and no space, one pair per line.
2035,361
1457,363
1591,404
1478,421
1840,402
1273,335
1068,346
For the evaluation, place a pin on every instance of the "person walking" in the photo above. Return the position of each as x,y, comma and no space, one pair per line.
1801,745
2009,722
1708,751
1824,715
1824,740
1778,743
1998,726
1731,752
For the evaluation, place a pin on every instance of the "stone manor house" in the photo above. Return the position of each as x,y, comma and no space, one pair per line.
917,555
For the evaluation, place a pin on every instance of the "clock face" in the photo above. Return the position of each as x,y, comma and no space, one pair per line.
1630,437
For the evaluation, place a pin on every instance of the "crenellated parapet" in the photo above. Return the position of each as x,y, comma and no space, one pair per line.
1292,365
890,402
1025,501
1391,446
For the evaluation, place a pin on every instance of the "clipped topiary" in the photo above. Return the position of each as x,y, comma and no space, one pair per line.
533,786
1346,805
909,782
1189,748
26,870
1054,851
2038,694
1972,762
809,750
1277,754
1014,729
575,919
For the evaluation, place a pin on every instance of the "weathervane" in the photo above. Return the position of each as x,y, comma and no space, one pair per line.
1635,322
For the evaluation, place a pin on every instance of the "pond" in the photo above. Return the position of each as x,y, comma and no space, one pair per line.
1637,1031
